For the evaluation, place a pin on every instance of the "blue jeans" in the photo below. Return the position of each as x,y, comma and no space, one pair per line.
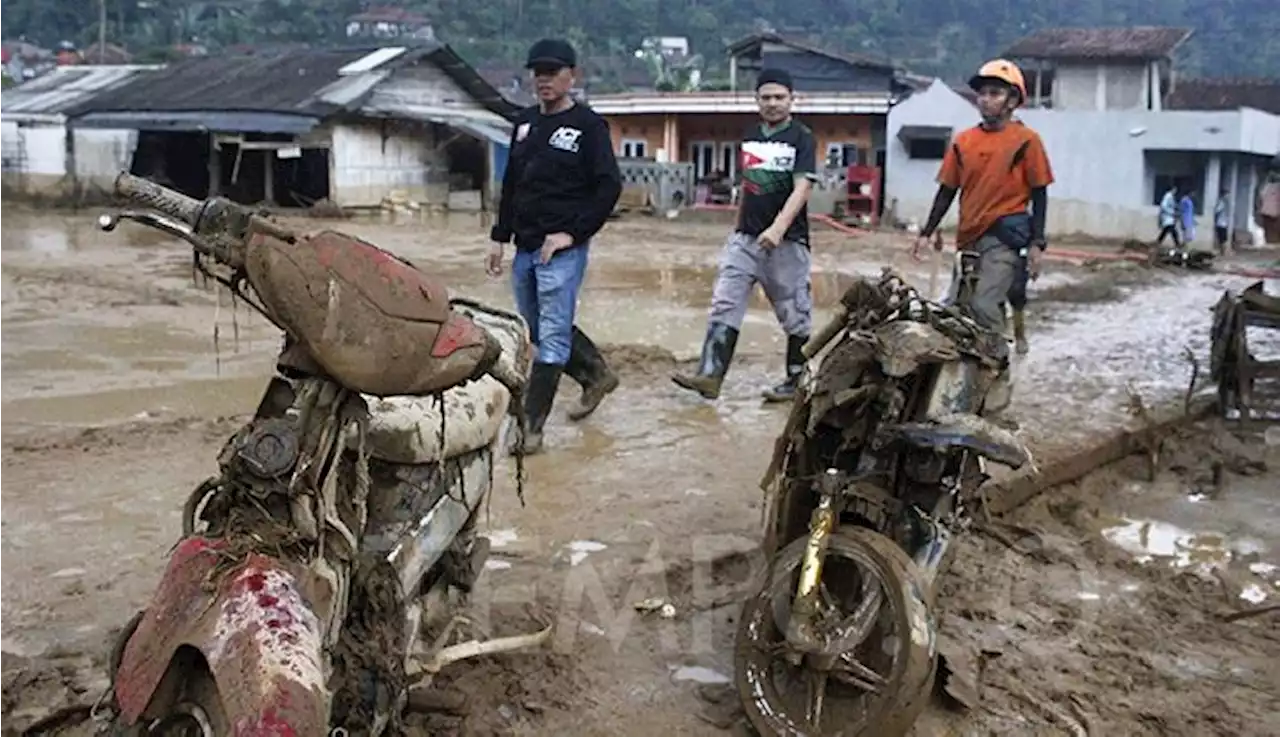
547,298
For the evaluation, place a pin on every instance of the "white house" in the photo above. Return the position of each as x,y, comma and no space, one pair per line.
1099,101
42,157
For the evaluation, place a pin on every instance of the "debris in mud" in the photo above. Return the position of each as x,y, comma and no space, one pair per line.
721,708
1095,642
656,604
580,549
327,209
1106,282
424,700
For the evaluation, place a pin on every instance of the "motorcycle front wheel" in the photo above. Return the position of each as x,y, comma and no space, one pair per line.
194,711
875,687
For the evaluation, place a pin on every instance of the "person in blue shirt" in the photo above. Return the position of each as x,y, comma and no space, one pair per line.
1187,215
1169,218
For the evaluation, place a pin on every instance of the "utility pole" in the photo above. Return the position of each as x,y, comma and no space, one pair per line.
102,31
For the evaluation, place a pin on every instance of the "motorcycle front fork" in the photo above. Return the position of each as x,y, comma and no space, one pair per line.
804,606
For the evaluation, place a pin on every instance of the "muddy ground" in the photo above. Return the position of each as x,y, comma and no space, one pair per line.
116,395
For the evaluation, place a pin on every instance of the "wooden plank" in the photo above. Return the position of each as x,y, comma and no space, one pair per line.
1007,495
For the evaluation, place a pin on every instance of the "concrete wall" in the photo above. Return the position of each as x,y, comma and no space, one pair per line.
36,163
1105,163
100,155
1100,87
913,181
372,159
1106,177
1075,87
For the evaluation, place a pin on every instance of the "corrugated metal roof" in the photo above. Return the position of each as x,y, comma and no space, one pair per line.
348,91
200,121
299,82
373,60
66,87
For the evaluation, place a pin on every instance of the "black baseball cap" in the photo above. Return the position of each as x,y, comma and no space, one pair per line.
775,76
552,52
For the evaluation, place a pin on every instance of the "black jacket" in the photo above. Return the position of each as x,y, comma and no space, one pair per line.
562,177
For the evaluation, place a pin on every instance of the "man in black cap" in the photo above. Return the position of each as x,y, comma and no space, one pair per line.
561,184
770,244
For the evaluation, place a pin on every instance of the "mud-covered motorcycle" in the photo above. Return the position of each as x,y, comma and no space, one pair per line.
321,571
878,468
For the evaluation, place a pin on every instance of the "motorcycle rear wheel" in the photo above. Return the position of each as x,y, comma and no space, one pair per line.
904,691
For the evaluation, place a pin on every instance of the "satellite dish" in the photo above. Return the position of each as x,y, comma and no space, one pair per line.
1135,132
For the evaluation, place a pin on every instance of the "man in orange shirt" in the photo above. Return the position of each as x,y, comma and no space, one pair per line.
1001,172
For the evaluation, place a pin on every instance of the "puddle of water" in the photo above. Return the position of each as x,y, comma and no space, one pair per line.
1150,539
502,538
1262,569
1254,594
199,398
580,549
699,674
496,565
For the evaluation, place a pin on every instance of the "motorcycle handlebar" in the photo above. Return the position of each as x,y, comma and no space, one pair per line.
162,199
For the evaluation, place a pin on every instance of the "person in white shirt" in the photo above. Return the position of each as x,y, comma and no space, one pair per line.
1221,225
1169,218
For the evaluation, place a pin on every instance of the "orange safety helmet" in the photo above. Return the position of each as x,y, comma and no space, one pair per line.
1002,70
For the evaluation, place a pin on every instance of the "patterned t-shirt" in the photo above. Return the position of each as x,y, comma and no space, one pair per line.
771,160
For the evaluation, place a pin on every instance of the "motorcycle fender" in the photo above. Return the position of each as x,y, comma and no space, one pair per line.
257,631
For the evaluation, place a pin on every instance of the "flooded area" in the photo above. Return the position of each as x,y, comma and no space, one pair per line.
122,379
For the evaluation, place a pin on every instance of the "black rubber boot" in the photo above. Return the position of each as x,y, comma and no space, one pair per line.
786,391
540,394
717,354
587,367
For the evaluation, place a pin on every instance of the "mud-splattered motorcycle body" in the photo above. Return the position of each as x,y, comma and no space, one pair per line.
876,471
341,524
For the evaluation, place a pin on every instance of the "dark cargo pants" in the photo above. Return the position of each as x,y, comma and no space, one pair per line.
997,274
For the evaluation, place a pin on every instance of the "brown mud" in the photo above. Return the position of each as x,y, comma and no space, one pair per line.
116,399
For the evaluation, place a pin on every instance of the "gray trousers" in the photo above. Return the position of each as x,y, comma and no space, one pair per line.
783,273
997,271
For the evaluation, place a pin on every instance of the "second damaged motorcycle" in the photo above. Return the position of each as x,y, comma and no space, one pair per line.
878,468
320,572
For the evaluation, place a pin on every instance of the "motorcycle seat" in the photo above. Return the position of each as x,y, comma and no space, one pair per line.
417,430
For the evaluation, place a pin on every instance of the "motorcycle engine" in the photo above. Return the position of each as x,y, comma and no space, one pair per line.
265,451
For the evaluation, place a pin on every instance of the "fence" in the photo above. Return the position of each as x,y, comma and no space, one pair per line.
666,185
